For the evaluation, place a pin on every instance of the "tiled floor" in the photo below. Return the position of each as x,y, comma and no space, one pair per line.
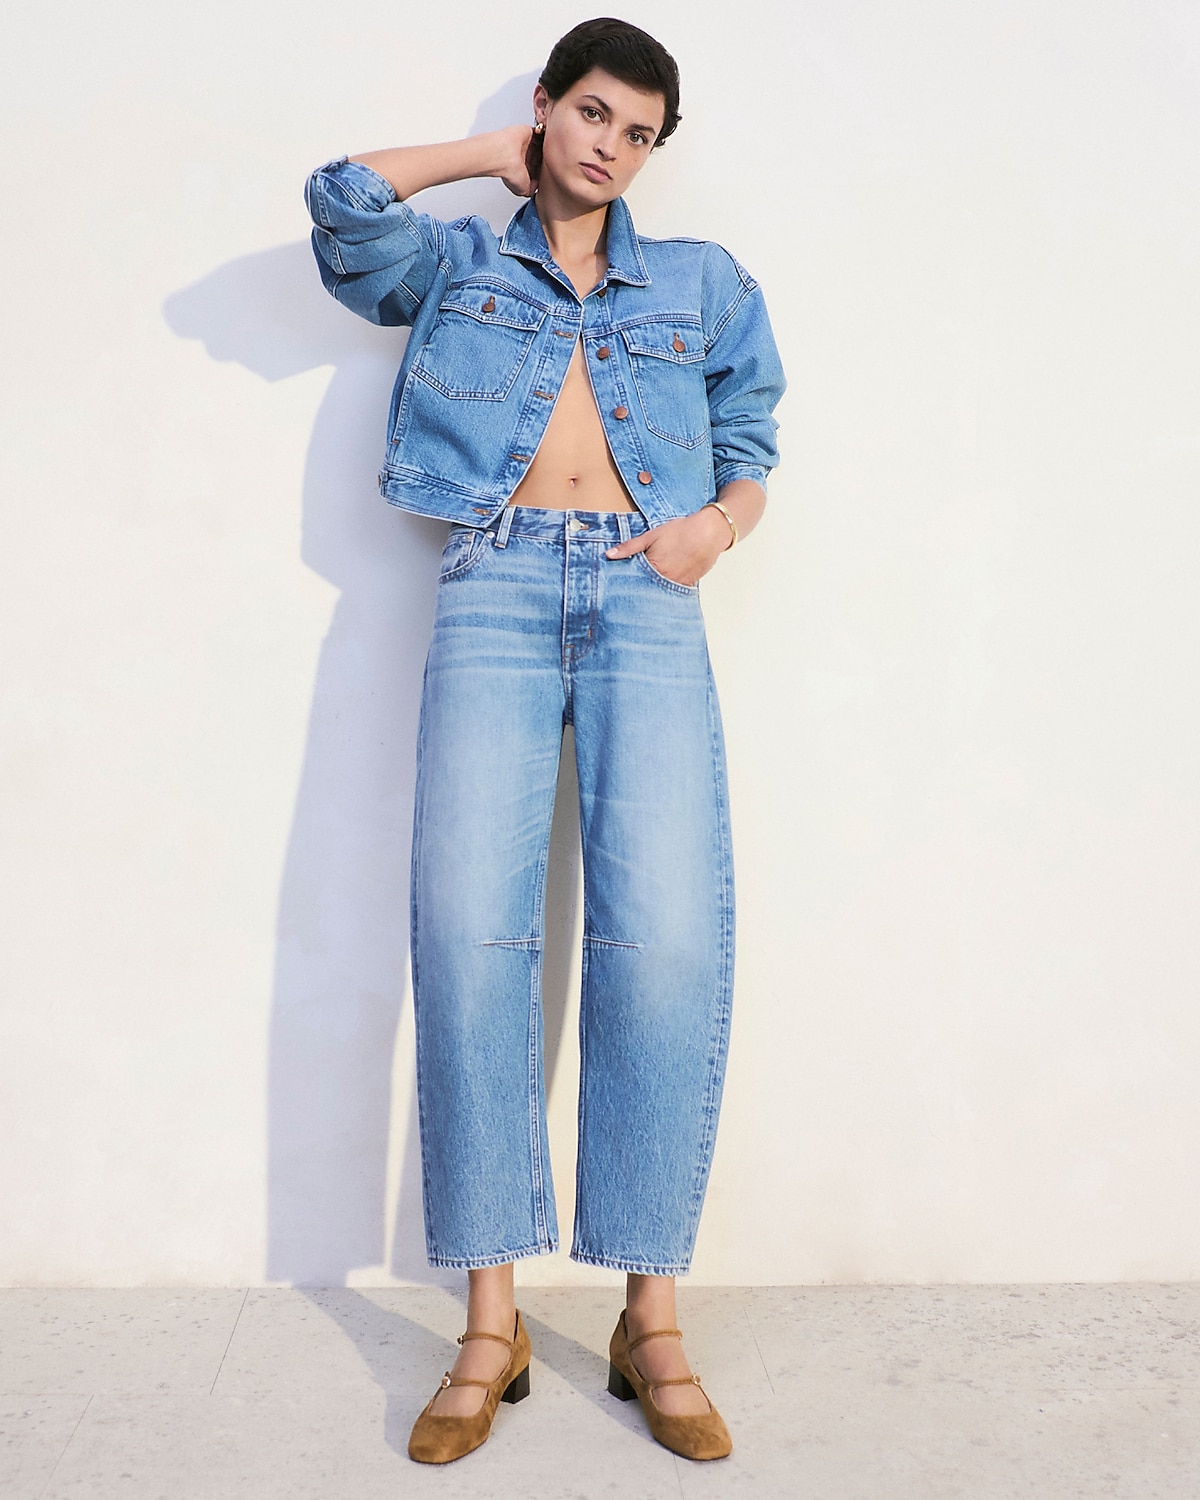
835,1393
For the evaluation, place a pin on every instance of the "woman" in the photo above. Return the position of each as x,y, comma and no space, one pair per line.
591,409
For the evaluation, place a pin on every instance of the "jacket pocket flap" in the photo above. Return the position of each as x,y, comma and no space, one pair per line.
679,341
488,305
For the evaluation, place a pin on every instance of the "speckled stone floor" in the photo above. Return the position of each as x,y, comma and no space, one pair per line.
835,1393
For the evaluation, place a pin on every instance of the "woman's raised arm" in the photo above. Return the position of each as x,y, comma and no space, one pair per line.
505,153
375,254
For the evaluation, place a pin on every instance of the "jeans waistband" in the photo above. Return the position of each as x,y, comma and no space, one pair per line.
606,526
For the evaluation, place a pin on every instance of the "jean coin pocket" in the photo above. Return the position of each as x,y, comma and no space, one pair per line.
463,547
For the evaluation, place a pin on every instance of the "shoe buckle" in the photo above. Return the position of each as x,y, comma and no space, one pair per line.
459,1339
445,1380
696,1379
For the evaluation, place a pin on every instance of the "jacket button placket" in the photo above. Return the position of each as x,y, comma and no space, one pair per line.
536,417
605,385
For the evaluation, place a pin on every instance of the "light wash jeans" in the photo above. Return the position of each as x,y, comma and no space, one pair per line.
534,629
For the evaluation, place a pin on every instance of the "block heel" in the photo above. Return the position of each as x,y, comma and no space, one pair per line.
618,1386
518,1389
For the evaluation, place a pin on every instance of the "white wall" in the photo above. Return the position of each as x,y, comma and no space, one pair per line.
958,660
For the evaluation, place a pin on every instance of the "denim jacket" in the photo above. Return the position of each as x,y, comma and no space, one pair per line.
676,341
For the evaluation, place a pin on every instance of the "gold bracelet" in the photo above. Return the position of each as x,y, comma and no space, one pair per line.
729,518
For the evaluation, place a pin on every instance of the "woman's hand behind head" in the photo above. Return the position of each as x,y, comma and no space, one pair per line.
521,159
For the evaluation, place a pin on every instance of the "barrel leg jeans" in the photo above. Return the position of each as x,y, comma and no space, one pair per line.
534,629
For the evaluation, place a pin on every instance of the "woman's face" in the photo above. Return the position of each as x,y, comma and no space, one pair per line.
598,136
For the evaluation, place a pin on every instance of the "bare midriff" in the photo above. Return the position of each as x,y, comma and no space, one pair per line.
573,468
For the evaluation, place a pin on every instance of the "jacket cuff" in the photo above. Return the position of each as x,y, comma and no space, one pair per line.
365,183
724,473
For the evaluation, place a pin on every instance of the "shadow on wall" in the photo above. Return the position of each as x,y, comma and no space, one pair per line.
342,940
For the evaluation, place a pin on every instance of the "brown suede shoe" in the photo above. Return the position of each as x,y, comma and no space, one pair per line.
437,1439
703,1436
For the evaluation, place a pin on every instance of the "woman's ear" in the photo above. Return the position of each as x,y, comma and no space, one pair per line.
541,102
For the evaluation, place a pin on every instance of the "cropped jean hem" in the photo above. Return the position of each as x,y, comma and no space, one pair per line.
501,1258
619,1263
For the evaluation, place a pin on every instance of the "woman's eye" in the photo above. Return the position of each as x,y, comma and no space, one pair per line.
590,109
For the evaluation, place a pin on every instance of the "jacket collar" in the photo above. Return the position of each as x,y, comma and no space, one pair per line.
526,238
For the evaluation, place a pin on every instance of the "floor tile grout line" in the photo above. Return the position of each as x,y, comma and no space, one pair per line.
66,1445
229,1341
757,1349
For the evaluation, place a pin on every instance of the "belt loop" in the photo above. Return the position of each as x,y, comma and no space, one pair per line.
623,524
505,526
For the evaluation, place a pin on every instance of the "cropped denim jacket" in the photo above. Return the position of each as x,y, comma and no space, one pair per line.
676,341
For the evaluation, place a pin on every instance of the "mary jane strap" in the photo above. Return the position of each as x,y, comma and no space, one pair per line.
448,1379
463,1337
655,1333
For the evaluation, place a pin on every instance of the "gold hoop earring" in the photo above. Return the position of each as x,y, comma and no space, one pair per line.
539,127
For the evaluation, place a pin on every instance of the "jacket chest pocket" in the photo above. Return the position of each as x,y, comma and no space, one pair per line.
667,361
479,341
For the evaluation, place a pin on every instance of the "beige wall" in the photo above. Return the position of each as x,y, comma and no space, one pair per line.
958,660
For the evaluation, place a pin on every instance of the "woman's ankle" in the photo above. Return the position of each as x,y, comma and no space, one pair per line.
491,1305
649,1303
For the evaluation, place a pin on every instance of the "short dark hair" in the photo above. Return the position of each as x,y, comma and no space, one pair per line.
625,51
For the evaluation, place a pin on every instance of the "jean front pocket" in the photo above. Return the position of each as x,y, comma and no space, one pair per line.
661,578
464,547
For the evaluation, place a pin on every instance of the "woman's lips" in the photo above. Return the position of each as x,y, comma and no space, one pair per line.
596,174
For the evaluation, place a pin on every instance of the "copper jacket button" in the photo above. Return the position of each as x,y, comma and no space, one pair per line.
678,345
603,352
620,412
645,477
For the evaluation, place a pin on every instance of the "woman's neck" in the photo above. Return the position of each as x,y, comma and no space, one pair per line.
576,233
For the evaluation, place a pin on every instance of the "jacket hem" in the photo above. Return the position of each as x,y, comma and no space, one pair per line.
425,495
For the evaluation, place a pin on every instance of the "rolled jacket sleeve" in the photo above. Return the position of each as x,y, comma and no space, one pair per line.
745,380
374,253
